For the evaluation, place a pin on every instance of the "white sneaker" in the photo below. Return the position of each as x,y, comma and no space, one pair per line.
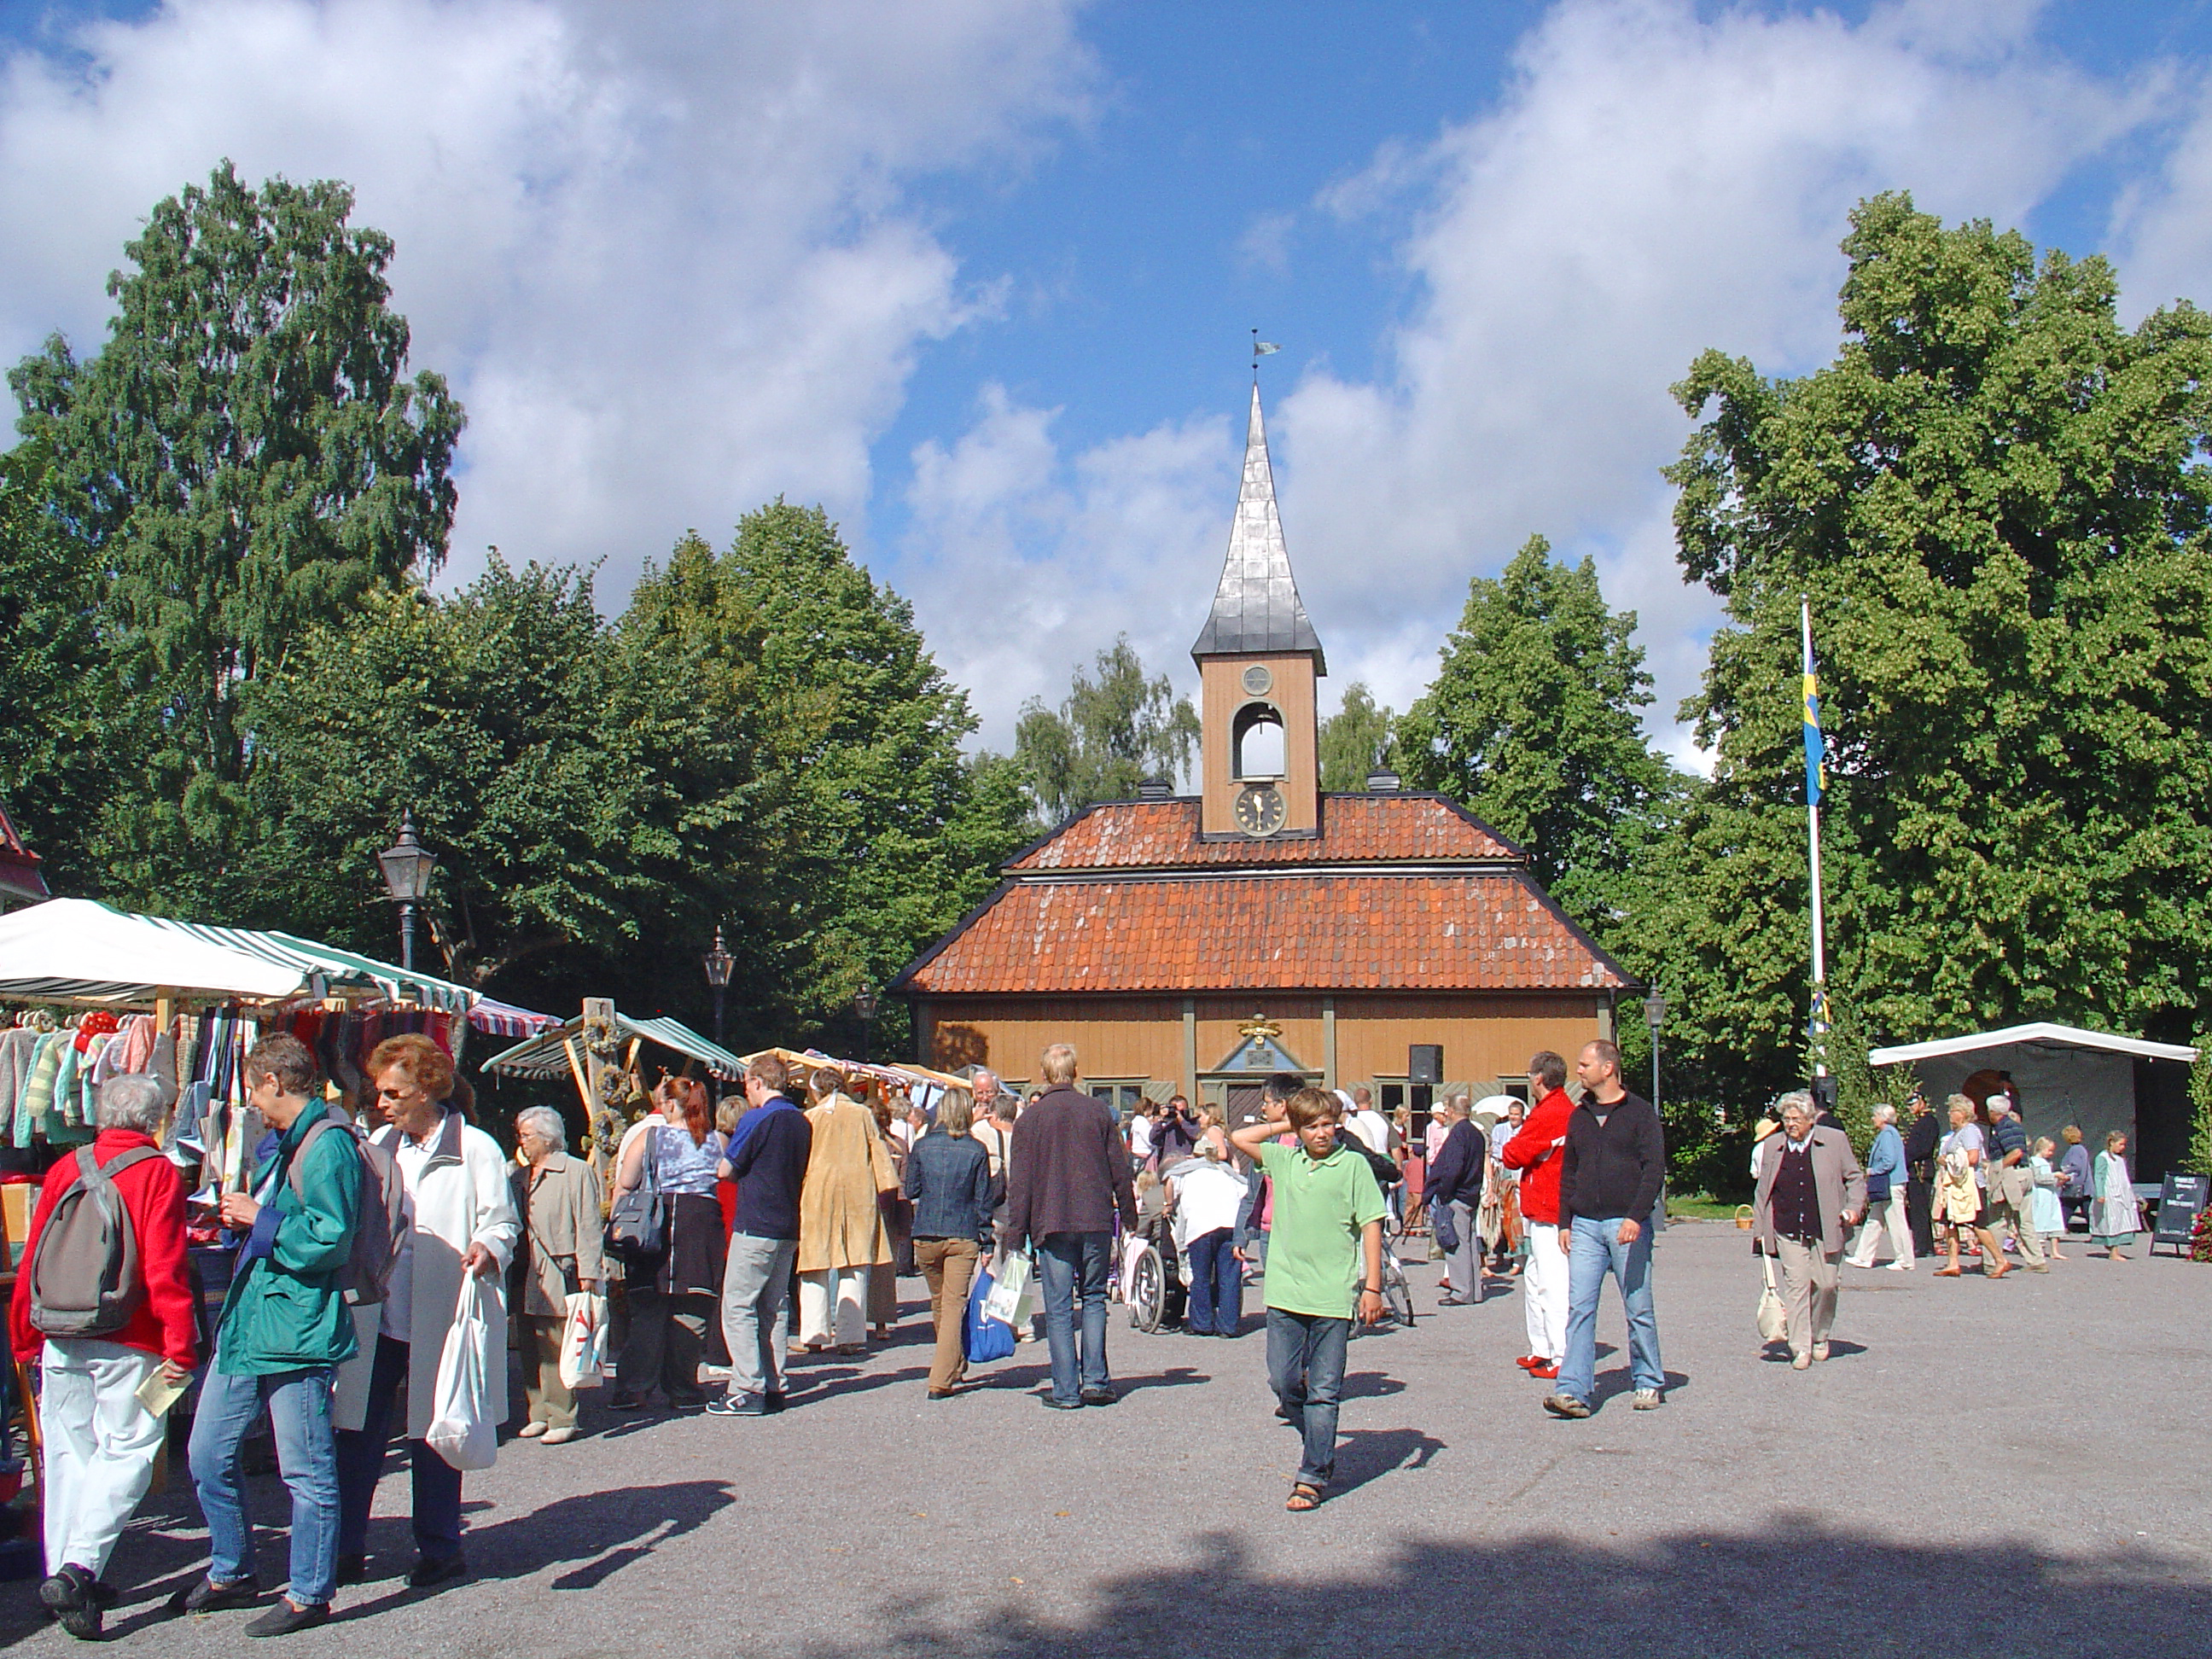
1900,1266
561,1437
1647,1399
532,1430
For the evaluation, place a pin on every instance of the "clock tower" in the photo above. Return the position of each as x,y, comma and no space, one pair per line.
1258,659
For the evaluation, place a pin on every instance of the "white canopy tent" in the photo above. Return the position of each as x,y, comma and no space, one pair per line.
77,951
2063,1075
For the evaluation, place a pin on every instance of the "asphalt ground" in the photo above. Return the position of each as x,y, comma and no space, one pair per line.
2016,1468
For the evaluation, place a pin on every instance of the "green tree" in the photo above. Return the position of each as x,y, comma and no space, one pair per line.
2197,1158
56,761
1354,740
243,457
1115,728
864,833
1995,498
539,762
1534,722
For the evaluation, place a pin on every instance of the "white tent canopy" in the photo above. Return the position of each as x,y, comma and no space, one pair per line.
77,951
2061,1075
2041,1033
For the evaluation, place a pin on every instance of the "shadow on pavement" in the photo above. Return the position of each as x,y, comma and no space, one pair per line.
1806,1589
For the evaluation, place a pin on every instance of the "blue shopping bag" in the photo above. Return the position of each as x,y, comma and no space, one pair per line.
983,1337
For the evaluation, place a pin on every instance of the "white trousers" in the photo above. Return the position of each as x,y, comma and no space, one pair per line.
1887,1216
1544,1292
838,1294
99,1449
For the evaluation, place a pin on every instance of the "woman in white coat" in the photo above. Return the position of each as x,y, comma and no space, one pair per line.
461,1220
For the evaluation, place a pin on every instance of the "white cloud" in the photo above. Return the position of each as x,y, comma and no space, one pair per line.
1024,562
1652,183
664,253
2163,224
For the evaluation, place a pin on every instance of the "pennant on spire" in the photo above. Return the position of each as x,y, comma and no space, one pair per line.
1257,608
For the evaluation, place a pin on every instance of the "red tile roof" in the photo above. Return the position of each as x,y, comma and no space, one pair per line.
1486,931
1357,828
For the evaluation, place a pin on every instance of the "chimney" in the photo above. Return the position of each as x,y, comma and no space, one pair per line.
1382,782
1156,789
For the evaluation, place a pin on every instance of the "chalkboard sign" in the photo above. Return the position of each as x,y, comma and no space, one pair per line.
2179,1201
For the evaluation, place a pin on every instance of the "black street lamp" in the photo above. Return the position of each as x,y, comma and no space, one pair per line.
407,866
1655,1011
719,962
864,1004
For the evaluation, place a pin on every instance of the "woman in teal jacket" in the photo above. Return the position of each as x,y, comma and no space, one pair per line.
284,1331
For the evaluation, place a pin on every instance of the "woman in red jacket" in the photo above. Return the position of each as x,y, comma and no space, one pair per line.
99,1439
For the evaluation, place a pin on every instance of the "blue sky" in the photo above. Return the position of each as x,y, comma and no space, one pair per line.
979,275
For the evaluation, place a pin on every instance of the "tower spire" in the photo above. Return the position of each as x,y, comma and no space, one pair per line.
1257,607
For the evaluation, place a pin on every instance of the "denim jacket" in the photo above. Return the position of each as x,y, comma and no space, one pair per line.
949,1178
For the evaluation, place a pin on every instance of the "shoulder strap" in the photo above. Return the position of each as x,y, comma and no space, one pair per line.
121,1161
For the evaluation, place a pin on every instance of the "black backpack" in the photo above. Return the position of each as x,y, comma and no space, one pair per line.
84,1275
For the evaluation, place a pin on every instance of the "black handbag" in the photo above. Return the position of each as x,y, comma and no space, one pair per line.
637,1222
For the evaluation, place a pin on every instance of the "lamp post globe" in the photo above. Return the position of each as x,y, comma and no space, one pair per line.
408,867
864,1004
718,962
1654,1011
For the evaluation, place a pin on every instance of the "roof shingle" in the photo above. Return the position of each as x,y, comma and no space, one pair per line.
1381,829
1480,931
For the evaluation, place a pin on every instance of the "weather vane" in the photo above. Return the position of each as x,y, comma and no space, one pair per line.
1259,348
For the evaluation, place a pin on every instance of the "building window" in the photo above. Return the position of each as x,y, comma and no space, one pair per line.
1389,1097
1122,1094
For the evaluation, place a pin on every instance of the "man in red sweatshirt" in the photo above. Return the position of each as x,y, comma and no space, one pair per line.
99,1438
1535,1151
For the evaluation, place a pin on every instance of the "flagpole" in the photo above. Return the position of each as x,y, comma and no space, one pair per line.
1812,767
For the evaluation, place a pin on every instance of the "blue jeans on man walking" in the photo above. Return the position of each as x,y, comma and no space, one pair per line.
300,1412
1072,1266
1597,1253
1305,1368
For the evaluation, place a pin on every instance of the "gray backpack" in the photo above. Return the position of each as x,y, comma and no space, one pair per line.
84,1275
380,1221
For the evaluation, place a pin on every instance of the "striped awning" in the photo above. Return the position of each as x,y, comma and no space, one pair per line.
546,1055
78,951
505,1019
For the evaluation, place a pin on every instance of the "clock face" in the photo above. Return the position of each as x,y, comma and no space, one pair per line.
1260,809
1257,680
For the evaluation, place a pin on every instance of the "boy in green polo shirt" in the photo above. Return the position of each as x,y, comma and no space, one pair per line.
1326,1239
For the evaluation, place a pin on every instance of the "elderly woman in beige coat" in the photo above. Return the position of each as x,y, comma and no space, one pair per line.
1811,1193
841,1236
558,1197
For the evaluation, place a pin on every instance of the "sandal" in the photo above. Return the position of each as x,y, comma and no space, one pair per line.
1303,1497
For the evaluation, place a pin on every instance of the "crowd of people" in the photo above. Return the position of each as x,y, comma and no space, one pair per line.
750,1234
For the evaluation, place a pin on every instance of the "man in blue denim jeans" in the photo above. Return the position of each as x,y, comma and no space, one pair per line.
1611,1172
284,1330
1067,1175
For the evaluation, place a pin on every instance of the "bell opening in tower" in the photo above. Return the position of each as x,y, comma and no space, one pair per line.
1258,749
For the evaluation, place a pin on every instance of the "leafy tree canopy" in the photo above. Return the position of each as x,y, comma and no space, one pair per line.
1997,500
1354,740
243,457
1535,723
1115,728
866,831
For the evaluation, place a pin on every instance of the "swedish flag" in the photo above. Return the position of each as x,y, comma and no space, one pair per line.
1816,754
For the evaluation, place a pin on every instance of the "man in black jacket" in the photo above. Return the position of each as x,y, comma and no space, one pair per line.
1611,1172
1068,1178
1454,1192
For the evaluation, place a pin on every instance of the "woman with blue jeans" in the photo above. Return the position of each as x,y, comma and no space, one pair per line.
285,1329
1208,1196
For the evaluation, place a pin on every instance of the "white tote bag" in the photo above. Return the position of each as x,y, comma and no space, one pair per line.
1774,1322
1005,1301
464,1418
584,1340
